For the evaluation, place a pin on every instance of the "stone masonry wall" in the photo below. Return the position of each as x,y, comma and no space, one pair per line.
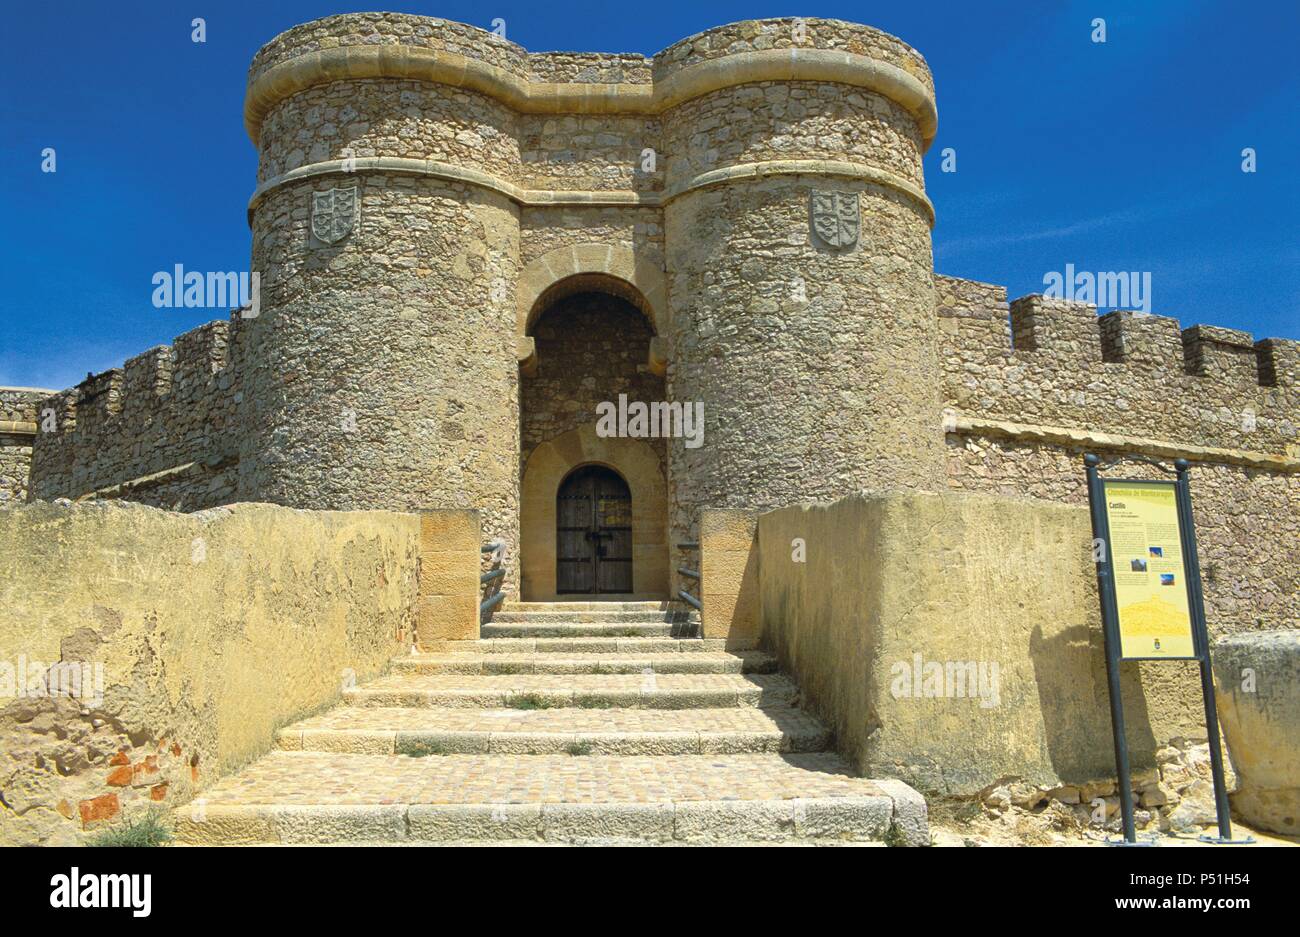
814,366
382,369
164,429
1141,377
1119,373
18,423
591,347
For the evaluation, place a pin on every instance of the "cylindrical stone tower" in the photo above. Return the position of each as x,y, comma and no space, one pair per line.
799,264
382,367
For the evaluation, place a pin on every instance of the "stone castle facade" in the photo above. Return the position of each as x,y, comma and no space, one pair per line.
464,248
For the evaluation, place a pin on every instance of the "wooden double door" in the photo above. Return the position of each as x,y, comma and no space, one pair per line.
593,517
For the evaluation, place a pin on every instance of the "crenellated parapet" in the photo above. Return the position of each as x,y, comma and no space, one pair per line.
1051,362
163,428
17,428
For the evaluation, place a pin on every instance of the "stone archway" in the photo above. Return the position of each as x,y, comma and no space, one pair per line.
576,267
546,468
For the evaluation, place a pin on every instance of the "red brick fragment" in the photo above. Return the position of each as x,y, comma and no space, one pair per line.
99,808
120,777
158,791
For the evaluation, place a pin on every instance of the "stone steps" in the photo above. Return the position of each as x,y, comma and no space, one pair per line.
315,797
564,607
586,663
570,629
592,644
543,691
588,617
395,731
564,723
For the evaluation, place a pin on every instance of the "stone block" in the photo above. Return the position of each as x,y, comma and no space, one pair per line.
450,529
449,572
446,618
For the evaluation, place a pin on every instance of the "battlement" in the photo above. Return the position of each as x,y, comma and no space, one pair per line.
408,47
1040,359
142,384
18,405
168,407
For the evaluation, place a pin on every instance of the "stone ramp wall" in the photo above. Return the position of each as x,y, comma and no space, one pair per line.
144,653
999,595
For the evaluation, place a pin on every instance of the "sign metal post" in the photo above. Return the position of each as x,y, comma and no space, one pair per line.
1158,607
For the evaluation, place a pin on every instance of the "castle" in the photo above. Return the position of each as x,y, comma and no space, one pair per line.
465,249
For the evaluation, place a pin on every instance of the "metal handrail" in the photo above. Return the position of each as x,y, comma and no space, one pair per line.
693,601
498,572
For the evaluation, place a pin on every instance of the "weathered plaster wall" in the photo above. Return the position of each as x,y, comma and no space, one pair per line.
205,633
960,580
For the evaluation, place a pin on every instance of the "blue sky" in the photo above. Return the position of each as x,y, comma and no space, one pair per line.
1111,157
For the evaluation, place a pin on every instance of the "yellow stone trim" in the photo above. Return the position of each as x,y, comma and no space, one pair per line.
18,427
804,167
956,423
541,198
528,97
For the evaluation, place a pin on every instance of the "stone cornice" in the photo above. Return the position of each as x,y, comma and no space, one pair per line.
17,428
536,198
517,92
960,424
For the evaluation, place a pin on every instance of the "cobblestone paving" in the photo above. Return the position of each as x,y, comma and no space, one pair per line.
560,683
735,719
586,662
329,779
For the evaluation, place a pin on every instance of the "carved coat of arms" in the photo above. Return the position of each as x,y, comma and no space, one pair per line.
334,214
835,218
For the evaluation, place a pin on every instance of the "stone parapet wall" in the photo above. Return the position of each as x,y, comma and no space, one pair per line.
1048,361
165,428
144,653
785,34
455,98
19,422
954,641
1034,384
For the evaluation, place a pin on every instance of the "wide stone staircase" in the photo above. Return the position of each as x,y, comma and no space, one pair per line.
564,723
